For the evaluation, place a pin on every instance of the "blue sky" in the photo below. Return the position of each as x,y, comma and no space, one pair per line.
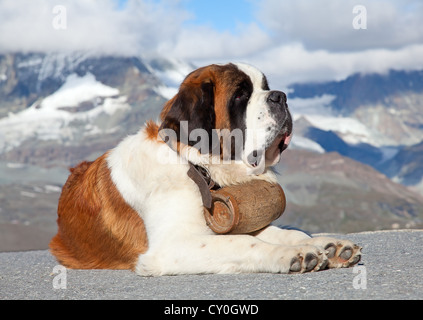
221,15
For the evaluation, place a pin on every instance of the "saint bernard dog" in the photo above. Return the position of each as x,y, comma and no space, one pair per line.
136,208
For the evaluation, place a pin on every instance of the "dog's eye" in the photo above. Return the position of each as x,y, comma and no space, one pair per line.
241,96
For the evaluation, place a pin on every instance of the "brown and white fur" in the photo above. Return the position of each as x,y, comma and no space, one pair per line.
133,209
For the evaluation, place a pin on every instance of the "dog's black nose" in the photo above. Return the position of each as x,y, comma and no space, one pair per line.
276,97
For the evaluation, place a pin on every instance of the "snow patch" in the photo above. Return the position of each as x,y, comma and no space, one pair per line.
171,76
318,112
47,120
351,130
30,63
15,165
319,105
52,189
166,92
76,90
303,143
28,194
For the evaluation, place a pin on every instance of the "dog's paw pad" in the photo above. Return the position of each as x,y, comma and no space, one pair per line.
346,253
310,261
296,263
330,250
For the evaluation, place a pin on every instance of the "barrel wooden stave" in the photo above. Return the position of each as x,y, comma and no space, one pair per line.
245,208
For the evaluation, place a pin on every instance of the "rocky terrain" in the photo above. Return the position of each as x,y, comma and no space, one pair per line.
329,192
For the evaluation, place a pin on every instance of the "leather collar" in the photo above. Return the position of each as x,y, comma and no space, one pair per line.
201,176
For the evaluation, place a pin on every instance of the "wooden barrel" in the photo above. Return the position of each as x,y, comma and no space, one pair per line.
245,208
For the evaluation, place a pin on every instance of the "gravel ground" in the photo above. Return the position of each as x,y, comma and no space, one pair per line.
391,268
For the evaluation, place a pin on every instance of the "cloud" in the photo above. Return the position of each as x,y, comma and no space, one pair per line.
315,40
291,40
327,24
28,25
139,27
287,64
204,43
90,25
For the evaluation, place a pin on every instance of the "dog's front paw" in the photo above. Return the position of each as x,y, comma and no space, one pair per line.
340,253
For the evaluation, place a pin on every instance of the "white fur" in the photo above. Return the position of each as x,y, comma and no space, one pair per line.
170,204
179,241
261,125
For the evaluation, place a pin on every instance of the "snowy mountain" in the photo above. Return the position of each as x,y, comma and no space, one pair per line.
370,118
59,109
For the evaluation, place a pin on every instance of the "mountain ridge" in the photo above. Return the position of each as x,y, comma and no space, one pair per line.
372,118
359,89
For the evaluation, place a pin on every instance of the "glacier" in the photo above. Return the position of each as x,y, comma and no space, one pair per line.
49,119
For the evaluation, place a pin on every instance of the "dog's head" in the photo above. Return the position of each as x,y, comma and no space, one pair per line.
229,111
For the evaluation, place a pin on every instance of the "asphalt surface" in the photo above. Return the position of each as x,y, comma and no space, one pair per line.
391,268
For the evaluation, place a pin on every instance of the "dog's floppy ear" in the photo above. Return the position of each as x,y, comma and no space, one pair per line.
192,108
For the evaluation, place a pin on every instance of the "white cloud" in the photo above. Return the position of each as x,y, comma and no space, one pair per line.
27,25
204,43
141,27
293,63
90,25
327,24
292,40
